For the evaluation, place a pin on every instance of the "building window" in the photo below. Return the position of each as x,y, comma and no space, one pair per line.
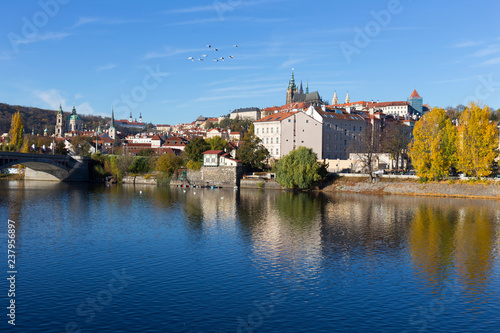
267,140
267,130
289,120
278,140
271,140
277,129
272,128
257,130
307,121
277,151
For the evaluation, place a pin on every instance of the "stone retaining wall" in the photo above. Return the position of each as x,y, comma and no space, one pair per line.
139,180
260,183
477,190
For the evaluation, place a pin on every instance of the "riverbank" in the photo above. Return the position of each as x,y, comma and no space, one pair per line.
457,189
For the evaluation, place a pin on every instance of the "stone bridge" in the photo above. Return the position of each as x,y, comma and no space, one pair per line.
48,167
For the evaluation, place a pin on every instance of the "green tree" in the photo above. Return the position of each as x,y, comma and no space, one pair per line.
168,164
195,148
477,141
61,148
251,152
218,143
432,149
299,169
16,131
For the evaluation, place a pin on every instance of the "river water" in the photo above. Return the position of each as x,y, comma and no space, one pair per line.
97,258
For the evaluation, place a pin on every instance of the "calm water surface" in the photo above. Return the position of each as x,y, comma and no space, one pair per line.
113,259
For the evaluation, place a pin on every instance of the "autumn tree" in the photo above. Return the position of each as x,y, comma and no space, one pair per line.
168,163
477,141
432,149
299,169
396,138
218,143
16,131
367,147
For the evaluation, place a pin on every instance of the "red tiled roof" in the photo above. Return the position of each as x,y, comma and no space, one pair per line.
156,137
216,152
277,116
414,93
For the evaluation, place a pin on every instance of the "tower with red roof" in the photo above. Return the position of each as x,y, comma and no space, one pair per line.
416,102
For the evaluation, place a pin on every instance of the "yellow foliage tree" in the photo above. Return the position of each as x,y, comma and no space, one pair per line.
16,131
432,149
477,141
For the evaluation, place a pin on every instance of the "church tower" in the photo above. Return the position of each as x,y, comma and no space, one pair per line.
130,119
291,90
335,99
112,130
60,123
140,117
347,99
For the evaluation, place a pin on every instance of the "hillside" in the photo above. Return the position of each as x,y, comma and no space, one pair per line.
38,119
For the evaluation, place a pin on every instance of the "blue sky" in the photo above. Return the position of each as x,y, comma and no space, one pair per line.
133,55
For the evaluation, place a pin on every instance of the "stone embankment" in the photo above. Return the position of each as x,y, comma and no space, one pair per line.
462,189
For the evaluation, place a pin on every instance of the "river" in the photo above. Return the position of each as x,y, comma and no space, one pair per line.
101,258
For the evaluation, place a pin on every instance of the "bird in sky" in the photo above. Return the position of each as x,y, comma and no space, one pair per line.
216,60
201,59
203,55
216,49
222,58
236,46
231,57
209,46
191,58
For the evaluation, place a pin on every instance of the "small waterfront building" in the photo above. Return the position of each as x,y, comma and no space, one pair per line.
216,158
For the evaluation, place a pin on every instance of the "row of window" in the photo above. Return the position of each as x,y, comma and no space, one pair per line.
266,130
328,126
274,151
277,140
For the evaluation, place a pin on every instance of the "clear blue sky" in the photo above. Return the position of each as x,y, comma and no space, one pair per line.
96,53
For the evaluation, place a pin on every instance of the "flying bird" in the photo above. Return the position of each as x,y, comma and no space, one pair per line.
201,59
236,46
222,58
216,49
191,58
231,57
209,46
203,55
216,60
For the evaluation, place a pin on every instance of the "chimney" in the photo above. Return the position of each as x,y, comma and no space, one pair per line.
323,107
348,109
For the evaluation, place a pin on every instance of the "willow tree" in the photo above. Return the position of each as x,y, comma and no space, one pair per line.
16,131
299,169
477,141
432,149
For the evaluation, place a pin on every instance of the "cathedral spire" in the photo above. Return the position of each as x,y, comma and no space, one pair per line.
307,87
60,109
301,91
74,109
347,99
335,99
112,121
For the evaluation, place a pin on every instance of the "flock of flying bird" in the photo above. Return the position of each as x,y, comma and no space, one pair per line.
203,56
